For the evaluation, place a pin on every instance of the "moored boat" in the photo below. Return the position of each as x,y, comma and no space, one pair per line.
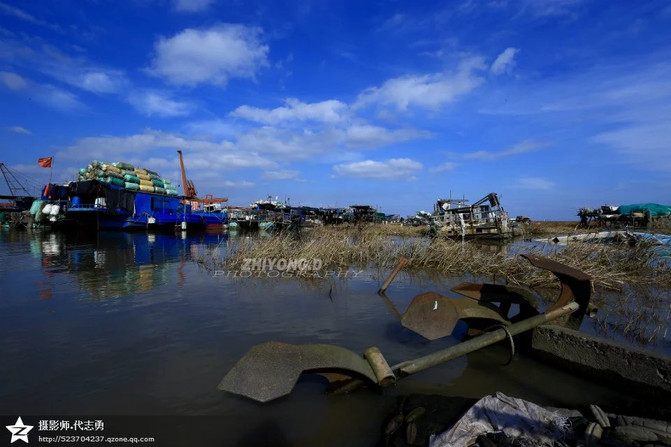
92,205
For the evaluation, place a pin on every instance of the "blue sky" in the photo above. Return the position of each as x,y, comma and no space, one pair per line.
553,104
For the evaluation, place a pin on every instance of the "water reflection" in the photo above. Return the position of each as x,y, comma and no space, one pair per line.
109,265
178,329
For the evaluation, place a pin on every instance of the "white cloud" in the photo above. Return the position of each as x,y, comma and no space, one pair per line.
48,95
429,91
21,14
286,143
617,112
644,144
155,103
199,154
520,148
534,183
330,111
13,81
636,108
369,136
301,130
393,23
57,98
504,62
211,56
624,108
192,5
48,60
393,169
77,73
550,8
307,143
282,174
238,184
445,167
19,129
100,82
212,128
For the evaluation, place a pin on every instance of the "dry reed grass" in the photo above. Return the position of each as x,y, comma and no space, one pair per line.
612,266
660,225
551,227
630,282
641,315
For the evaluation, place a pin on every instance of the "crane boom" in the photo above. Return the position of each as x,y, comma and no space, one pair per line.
19,198
14,185
190,189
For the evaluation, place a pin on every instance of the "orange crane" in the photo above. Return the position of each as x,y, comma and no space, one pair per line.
191,194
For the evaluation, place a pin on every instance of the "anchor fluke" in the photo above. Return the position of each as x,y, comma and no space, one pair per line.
270,370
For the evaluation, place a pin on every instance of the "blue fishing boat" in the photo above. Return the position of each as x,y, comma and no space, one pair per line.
118,196
93,205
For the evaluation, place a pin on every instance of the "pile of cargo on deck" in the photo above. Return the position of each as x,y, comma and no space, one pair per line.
127,176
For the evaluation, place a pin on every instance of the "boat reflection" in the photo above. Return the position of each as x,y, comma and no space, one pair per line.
114,264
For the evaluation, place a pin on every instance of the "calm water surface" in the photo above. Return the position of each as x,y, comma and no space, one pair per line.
130,324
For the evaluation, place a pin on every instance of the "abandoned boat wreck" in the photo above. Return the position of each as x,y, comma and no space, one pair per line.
485,218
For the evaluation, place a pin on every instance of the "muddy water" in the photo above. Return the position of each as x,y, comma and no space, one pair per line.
131,324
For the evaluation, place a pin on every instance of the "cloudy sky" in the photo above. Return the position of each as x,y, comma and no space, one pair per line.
553,104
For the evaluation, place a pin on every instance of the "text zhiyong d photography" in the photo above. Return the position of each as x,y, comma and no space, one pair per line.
285,268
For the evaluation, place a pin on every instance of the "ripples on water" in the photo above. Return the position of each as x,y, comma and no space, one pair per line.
130,324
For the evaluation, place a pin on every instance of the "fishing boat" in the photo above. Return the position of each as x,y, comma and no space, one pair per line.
118,196
93,205
270,215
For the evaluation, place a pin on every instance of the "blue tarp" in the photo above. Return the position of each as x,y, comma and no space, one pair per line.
660,239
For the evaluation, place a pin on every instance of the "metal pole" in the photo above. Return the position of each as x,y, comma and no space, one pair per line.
422,363
401,263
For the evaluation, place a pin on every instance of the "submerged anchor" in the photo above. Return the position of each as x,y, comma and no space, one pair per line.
270,370
434,316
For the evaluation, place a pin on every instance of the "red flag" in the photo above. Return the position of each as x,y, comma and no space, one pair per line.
45,162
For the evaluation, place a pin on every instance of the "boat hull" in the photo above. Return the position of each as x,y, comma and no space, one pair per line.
112,208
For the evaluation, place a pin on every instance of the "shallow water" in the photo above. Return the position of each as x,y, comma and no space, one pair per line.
131,324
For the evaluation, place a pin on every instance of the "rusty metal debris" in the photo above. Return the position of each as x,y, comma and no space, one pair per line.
270,370
434,316
481,341
504,295
576,286
401,263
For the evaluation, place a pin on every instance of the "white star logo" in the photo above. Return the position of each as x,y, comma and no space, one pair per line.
19,431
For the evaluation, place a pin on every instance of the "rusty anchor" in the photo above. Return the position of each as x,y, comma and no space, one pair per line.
434,316
270,370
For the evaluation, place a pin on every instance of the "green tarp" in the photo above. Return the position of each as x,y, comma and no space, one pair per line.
655,209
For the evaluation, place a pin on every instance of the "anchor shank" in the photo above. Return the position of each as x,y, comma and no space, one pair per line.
410,367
